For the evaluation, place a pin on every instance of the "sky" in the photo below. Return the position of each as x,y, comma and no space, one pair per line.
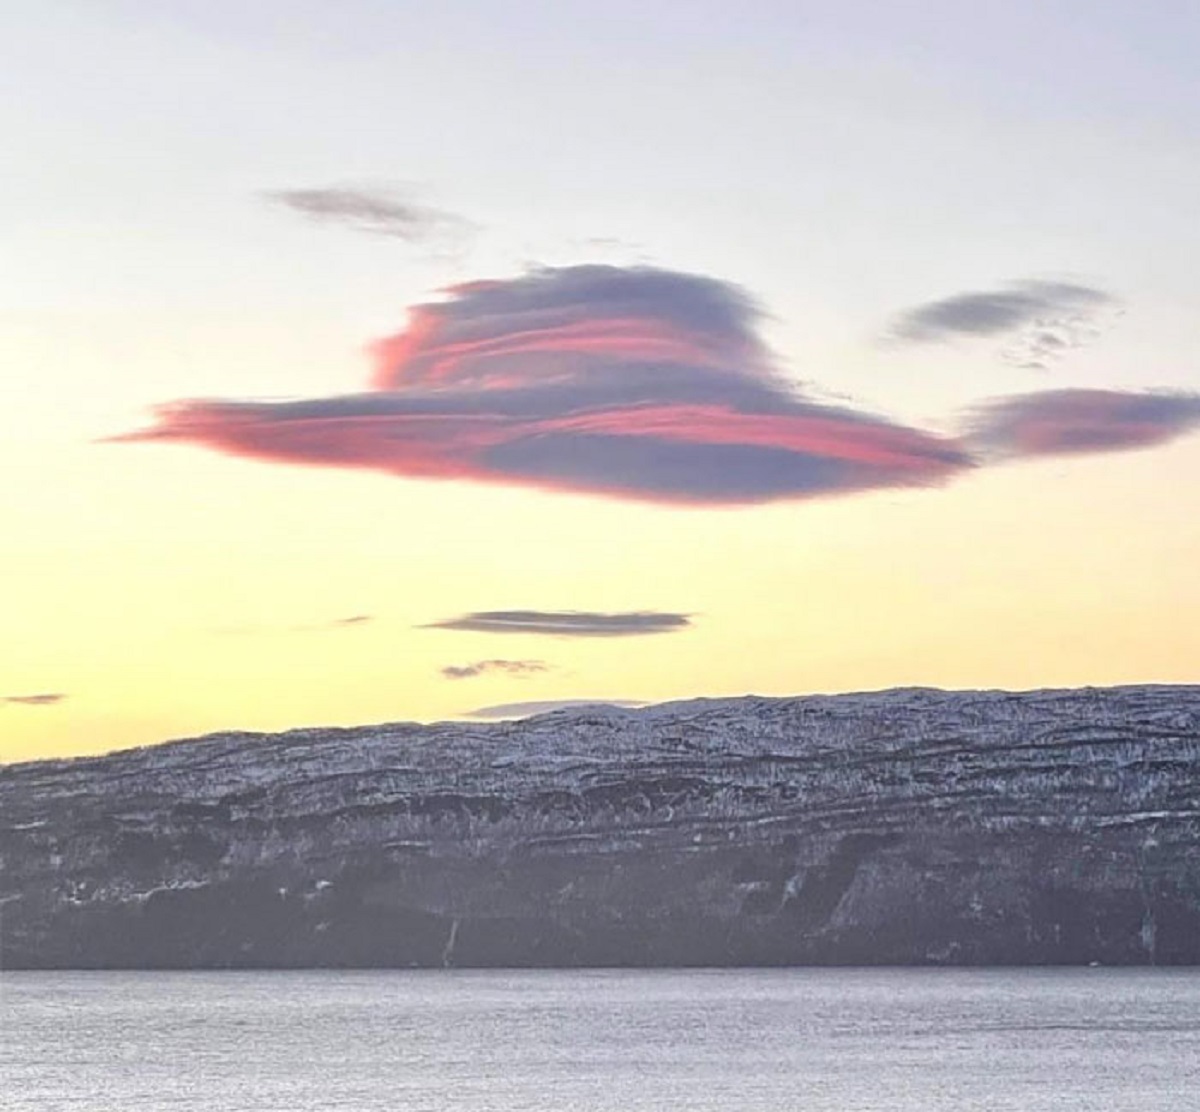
377,361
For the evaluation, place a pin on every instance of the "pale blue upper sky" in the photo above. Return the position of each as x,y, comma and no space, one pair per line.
856,155
840,160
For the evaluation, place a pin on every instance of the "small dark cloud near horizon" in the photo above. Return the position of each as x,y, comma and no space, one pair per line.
384,211
42,699
567,623
1040,321
543,706
1079,421
516,668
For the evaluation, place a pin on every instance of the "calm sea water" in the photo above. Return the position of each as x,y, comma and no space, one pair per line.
812,1040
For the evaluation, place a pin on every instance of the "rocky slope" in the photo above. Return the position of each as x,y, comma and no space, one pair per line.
910,826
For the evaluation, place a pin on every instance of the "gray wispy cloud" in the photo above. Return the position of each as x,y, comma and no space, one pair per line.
542,706
518,668
1039,321
380,211
567,623
42,699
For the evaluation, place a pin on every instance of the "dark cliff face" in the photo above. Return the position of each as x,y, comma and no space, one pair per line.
904,827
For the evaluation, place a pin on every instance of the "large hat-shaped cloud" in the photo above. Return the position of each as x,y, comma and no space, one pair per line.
632,382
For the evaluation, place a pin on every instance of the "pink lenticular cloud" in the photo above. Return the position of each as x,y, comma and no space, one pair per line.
1071,422
635,383
547,323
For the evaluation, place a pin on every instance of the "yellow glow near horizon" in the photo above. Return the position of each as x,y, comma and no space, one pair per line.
226,613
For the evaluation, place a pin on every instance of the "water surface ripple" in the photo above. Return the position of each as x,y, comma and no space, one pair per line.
844,1040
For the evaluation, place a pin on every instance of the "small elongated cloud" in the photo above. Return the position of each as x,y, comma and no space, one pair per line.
1040,321
567,623
631,382
385,212
519,668
1069,422
542,706
47,699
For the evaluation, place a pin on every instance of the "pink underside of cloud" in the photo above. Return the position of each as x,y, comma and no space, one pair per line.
453,447
421,447
829,437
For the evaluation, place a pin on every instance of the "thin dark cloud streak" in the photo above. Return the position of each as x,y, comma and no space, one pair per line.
516,668
384,212
567,623
41,699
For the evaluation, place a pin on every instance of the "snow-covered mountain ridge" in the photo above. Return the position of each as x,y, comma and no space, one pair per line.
903,826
